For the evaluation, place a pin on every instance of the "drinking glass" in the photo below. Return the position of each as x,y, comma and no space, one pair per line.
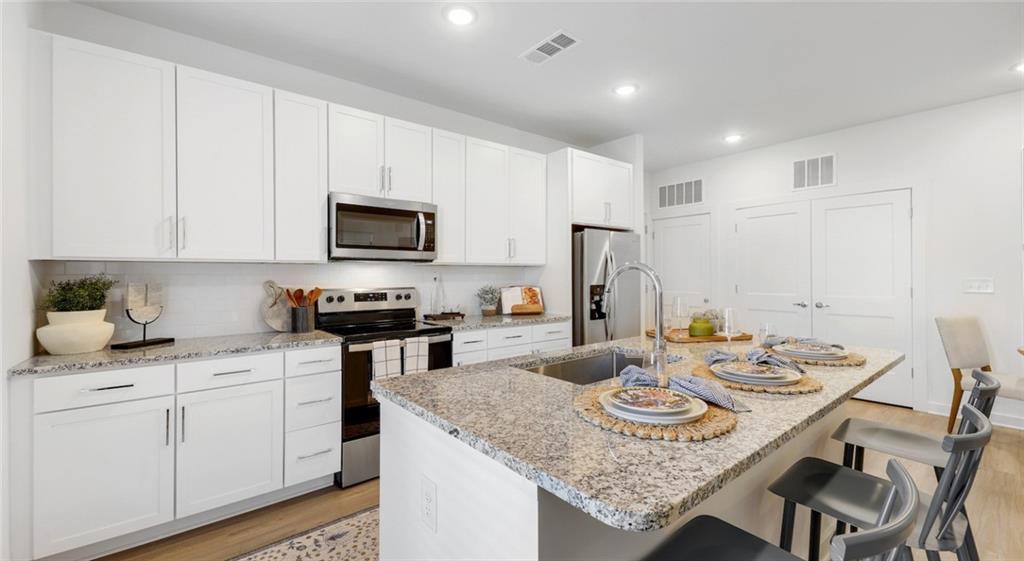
680,311
729,323
765,330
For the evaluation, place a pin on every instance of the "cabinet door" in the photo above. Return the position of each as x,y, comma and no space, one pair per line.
225,167
300,172
230,445
113,153
527,203
101,472
356,151
487,239
407,160
619,194
589,188
449,190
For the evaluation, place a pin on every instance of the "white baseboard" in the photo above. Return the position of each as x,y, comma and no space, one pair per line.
1006,412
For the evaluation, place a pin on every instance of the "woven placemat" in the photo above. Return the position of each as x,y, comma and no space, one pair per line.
807,384
716,422
852,359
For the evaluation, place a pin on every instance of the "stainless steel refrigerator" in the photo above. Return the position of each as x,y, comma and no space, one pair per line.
596,253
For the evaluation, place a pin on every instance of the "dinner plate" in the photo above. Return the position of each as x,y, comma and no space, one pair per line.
697,410
649,400
811,351
744,369
791,377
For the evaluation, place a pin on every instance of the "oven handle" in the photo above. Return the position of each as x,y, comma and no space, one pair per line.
421,221
362,347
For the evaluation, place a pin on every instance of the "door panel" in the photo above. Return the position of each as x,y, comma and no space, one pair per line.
773,265
449,194
300,157
407,157
527,201
487,213
861,279
356,151
682,254
589,188
619,189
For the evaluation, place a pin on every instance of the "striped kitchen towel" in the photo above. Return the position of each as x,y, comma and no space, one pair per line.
387,358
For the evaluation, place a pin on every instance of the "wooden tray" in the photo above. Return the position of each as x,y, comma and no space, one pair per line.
683,336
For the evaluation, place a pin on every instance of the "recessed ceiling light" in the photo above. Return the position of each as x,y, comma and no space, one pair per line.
460,15
625,90
1019,67
733,138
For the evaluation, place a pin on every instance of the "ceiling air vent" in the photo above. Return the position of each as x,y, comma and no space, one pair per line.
815,172
546,49
685,193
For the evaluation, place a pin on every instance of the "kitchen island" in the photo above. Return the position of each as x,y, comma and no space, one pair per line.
492,461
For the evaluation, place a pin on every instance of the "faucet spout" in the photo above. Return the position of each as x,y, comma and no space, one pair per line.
659,354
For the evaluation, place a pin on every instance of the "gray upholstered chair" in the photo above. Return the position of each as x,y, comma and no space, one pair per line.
858,498
965,347
707,538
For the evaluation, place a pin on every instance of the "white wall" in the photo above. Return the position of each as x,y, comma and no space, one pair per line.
964,165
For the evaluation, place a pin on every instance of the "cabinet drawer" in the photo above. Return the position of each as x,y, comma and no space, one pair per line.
96,388
543,346
312,400
466,341
311,453
508,336
473,357
508,352
312,361
206,374
550,331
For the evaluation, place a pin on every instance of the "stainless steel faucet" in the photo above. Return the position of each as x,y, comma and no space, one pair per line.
659,355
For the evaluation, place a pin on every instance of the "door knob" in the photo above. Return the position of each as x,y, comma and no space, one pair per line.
706,300
820,305
801,304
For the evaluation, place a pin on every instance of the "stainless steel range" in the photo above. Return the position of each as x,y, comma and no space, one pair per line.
361,317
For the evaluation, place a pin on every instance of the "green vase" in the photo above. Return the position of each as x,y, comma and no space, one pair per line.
701,328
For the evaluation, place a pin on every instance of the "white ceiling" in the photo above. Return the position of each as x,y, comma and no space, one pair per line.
771,71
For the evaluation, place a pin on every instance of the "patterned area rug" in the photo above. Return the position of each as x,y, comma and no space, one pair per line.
353,538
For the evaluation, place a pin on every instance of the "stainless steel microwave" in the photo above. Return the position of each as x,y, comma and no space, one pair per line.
375,228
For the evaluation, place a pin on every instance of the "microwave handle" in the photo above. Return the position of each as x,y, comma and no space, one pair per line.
421,221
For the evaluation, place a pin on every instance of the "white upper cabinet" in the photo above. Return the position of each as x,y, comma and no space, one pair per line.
487,192
113,153
356,151
300,172
601,190
225,168
407,160
527,202
449,194
619,191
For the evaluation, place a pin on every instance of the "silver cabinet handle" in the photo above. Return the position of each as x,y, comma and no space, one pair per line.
230,372
513,336
182,424
167,427
323,360
553,332
315,454
182,233
473,342
512,247
607,212
820,305
171,234
315,401
800,304
107,388
389,179
382,179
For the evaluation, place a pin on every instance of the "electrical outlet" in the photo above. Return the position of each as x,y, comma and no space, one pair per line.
979,285
428,503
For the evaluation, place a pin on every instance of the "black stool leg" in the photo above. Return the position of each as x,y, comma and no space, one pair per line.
788,518
847,462
858,461
969,543
814,543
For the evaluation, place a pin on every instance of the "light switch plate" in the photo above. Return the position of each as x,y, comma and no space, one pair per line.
428,503
979,285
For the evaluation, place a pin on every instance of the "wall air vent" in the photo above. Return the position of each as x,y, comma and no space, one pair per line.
685,193
815,172
548,48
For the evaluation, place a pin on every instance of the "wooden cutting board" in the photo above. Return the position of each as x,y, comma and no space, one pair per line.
683,336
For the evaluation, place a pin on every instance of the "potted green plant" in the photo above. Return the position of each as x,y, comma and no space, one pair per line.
75,310
489,296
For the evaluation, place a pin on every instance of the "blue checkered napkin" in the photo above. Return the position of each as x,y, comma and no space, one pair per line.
714,356
634,376
763,357
708,390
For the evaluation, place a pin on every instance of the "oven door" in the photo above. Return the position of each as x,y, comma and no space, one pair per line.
360,424
375,228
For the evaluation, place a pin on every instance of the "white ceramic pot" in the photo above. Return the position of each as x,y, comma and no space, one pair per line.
75,332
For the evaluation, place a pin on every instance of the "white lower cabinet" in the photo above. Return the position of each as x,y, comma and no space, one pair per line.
311,453
557,344
230,445
508,352
101,472
471,357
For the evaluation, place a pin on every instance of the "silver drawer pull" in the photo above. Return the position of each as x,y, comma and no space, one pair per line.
316,361
315,401
473,342
554,332
315,454
513,336
230,372
106,388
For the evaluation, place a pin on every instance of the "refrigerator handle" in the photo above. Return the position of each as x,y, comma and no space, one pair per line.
609,306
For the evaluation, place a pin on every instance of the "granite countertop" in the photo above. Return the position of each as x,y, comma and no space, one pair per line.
470,323
500,409
181,349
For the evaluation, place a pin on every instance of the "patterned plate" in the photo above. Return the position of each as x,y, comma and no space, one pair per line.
746,369
813,351
649,401
789,377
696,411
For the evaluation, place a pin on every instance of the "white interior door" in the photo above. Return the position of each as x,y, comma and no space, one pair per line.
773,267
682,256
862,280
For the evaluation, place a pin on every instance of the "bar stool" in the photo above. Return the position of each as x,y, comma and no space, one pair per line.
707,538
858,498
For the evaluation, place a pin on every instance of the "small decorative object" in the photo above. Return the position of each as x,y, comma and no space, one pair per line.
143,305
439,309
702,324
521,300
75,310
302,309
274,308
489,296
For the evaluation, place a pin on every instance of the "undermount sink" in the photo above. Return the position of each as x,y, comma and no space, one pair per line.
583,371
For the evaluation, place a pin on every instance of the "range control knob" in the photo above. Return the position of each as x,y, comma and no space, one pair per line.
408,296
341,299
329,299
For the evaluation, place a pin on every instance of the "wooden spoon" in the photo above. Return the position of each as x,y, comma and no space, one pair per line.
299,302
313,296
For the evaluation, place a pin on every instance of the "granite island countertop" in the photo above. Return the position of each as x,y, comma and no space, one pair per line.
527,422
470,323
181,349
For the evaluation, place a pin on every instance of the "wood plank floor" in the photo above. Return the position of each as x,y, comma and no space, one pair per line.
996,503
